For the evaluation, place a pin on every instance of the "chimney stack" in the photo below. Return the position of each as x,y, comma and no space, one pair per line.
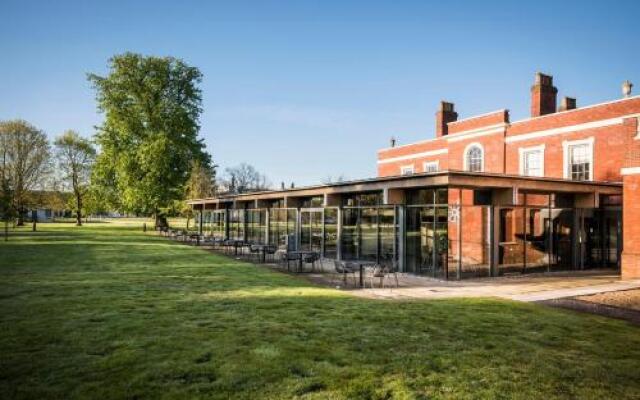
393,141
543,95
567,103
445,115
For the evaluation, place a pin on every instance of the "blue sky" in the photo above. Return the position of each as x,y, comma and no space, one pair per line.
309,89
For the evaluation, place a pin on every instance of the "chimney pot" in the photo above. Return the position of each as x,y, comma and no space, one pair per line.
446,113
626,88
393,141
567,103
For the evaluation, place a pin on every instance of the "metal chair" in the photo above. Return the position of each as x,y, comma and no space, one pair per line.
311,258
270,251
287,257
255,250
343,269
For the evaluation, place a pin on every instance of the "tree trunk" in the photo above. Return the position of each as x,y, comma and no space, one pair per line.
6,229
20,217
160,221
78,210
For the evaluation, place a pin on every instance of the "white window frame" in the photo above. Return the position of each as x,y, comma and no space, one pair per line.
426,164
465,165
565,155
523,152
407,170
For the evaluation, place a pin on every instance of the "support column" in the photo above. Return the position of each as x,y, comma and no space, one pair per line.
459,237
402,234
494,235
339,235
267,218
630,268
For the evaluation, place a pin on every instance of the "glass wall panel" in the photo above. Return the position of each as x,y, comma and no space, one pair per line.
368,233
282,227
511,240
256,225
537,239
533,239
236,224
195,224
292,226
427,197
426,242
362,199
218,224
330,232
311,230
387,236
206,222
561,255
350,238
472,242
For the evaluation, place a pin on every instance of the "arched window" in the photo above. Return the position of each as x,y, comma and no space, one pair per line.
474,158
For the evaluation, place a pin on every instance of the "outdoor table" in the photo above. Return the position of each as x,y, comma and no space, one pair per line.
196,237
362,265
236,244
263,250
301,254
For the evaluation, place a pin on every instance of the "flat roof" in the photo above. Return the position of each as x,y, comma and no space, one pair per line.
449,178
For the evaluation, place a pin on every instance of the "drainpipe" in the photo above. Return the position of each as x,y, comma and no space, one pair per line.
459,224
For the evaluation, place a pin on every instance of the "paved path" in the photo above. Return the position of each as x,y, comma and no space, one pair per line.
524,288
580,291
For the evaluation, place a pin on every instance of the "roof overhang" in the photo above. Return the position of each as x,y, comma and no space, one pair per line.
451,179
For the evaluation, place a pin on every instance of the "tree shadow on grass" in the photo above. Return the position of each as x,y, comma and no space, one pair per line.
125,315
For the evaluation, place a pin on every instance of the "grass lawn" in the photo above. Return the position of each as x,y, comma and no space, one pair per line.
104,311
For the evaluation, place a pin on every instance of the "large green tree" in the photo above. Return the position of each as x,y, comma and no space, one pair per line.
149,137
26,162
75,159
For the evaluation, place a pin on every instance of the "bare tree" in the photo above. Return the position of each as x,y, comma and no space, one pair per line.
328,180
75,158
26,161
244,178
201,184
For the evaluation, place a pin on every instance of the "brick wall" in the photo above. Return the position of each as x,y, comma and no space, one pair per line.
502,155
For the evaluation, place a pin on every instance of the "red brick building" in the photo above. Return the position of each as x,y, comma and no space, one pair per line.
599,143
486,196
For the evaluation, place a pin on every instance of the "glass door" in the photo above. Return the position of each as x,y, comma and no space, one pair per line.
426,241
311,229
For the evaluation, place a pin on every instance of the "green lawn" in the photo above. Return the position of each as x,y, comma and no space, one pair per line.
107,312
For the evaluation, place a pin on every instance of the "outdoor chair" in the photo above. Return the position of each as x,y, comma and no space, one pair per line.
255,250
287,257
384,273
216,242
311,258
342,270
227,245
270,251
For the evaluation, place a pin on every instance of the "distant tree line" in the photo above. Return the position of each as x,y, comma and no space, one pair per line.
146,157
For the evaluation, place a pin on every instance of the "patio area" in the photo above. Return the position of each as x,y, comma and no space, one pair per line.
366,279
